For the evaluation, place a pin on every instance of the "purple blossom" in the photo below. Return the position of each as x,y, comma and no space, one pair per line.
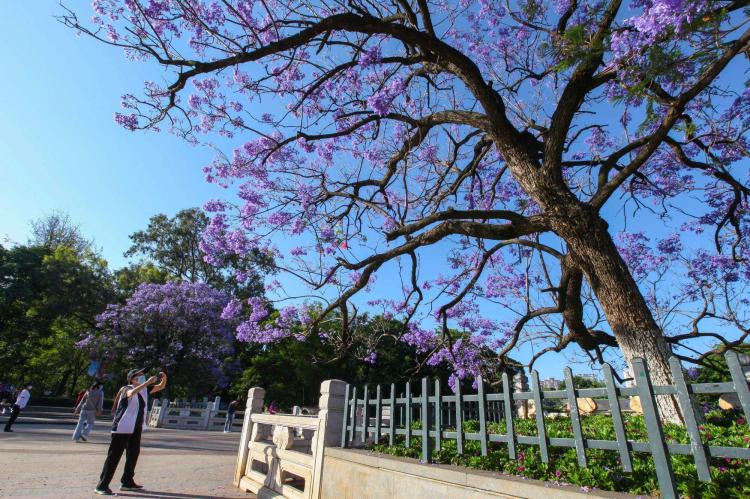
370,56
129,121
172,325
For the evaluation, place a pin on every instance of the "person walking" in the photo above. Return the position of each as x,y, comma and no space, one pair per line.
130,418
21,401
230,416
89,407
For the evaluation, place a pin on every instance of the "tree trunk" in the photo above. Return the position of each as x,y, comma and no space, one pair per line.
76,375
63,382
594,252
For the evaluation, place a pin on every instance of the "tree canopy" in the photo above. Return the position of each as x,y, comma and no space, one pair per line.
57,229
517,137
49,298
175,327
173,245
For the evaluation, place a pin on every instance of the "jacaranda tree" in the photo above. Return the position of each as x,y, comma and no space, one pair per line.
514,138
176,327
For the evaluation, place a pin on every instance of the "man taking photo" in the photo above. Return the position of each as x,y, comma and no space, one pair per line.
130,407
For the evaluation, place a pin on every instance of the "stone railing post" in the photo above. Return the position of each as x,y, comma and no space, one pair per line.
254,405
330,419
163,413
207,412
154,414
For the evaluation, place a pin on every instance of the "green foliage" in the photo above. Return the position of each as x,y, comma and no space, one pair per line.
291,370
49,297
129,278
730,477
717,370
173,246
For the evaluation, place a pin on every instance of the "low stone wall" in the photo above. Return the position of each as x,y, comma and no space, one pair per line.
358,474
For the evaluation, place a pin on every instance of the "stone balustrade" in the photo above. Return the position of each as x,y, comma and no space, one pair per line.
282,454
191,416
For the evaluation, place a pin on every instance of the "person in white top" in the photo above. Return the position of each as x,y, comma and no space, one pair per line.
128,423
21,401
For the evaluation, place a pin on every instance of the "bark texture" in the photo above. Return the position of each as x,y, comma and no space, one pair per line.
594,252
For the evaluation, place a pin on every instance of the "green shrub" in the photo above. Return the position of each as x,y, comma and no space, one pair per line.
730,477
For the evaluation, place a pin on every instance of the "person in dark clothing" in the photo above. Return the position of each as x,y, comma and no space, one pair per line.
21,400
129,417
230,416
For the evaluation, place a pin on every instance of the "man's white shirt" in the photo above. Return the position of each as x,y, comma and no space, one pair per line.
23,398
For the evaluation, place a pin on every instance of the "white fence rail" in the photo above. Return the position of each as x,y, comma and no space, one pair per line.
282,454
205,416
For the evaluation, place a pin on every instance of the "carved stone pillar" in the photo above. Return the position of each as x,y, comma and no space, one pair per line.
254,406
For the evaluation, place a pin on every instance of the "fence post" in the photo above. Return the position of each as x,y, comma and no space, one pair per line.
614,406
206,415
392,422
353,429
438,415
691,424
345,422
426,447
509,430
407,415
163,413
482,401
575,417
365,415
658,445
254,406
459,418
740,382
378,415
330,420
541,429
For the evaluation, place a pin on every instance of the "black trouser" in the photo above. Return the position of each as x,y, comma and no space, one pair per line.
130,443
14,412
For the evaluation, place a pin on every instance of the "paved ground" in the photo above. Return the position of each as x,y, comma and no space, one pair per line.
40,460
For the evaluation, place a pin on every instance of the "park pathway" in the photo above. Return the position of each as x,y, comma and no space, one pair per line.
40,460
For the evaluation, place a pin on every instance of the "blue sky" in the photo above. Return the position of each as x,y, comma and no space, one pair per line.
59,146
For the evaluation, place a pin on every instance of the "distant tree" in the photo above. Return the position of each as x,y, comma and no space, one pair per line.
176,327
173,245
57,229
291,371
715,369
129,278
583,382
49,297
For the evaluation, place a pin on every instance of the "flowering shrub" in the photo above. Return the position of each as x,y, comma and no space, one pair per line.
730,477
